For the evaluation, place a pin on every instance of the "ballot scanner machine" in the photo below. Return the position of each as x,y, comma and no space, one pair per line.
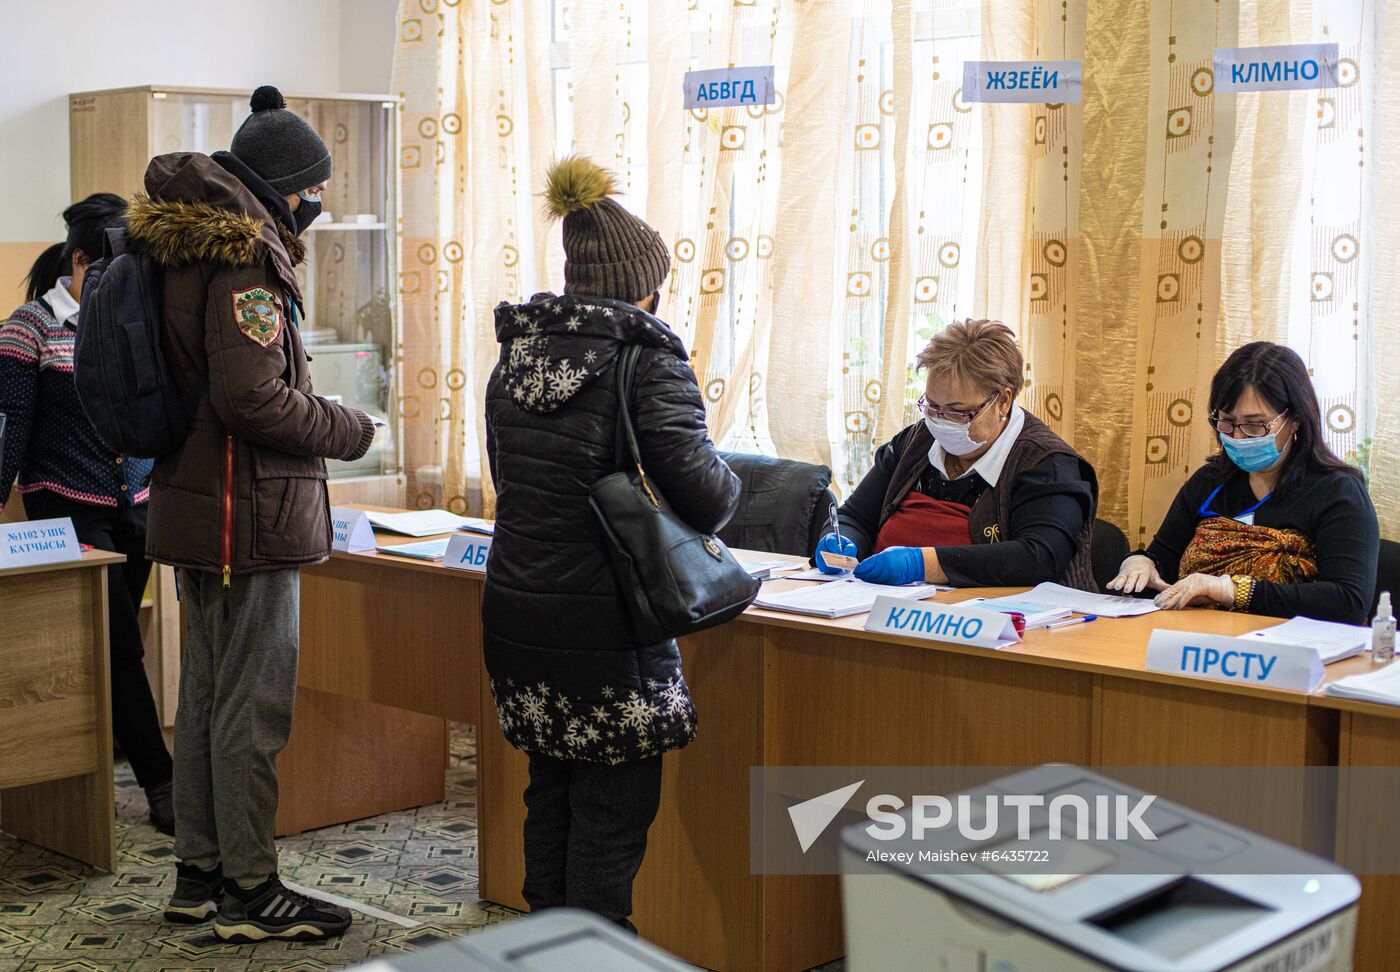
1137,905
556,940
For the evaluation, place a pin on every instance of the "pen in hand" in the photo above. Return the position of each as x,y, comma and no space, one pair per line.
838,560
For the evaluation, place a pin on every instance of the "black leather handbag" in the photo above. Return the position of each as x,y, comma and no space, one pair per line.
674,579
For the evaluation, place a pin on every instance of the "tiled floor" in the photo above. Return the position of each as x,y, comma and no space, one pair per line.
419,866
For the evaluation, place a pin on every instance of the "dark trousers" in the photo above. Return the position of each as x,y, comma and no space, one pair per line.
586,832
121,529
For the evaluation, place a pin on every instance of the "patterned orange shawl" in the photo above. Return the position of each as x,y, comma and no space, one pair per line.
1225,546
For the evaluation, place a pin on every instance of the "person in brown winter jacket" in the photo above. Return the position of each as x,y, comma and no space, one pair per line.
242,504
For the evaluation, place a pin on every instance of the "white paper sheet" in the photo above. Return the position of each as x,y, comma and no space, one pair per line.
1381,686
1037,615
767,569
817,574
422,550
417,523
1333,641
838,599
1082,602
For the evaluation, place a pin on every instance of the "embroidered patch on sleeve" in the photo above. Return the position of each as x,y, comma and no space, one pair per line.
258,315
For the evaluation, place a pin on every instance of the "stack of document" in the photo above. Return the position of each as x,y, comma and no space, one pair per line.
767,569
838,599
475,524
423,550
1082,602
817,574
1333,641
418,523
1381,686
1036,615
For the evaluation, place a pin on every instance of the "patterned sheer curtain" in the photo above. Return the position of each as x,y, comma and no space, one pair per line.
1132,240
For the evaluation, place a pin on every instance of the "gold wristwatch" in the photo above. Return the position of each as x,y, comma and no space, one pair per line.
1244,591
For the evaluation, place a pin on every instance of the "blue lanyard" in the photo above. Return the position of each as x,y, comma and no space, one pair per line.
1206,511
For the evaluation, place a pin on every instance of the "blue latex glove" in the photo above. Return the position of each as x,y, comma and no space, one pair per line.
845,548
895,565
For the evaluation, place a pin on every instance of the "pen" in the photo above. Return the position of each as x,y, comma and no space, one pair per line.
836,527
1065,624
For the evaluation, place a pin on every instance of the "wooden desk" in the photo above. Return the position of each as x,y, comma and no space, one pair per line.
775,689
56,708
1369,735
390,650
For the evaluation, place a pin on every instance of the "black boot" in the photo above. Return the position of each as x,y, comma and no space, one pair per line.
162,806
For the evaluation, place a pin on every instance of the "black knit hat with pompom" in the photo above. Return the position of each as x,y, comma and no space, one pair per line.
280,146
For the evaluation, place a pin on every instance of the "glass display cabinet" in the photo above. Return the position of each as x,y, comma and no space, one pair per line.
349,278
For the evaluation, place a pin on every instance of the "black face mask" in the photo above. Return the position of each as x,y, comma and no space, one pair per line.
306,214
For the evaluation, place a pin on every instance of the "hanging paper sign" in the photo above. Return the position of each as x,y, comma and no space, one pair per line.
1023,82
31,542
1283,67
467,551
1241,660
720,87
941,622
350,530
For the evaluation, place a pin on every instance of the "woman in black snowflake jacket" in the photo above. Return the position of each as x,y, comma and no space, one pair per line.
593,709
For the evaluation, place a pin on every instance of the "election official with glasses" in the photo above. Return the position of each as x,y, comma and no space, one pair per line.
1275,523
978,492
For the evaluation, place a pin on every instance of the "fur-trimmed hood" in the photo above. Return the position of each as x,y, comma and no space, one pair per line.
195,211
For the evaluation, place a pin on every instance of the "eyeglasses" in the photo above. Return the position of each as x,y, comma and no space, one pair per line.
1250,430
954,415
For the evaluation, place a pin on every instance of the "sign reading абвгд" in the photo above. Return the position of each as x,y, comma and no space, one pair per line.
721,87
1023,82
467,551
1284,67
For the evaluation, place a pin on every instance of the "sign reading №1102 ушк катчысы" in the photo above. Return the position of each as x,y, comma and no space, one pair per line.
1283,67
32,542
1023,82
723,87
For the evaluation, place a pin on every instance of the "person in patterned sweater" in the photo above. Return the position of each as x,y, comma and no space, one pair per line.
592,707
54,458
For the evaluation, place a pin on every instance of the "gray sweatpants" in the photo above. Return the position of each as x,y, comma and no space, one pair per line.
238,681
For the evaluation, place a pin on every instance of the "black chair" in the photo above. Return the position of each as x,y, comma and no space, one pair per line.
1387,573
1107,549
783,506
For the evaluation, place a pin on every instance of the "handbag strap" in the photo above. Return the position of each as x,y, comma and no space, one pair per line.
626,447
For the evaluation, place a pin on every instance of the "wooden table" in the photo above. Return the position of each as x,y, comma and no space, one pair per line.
1369,735
782,690
56,708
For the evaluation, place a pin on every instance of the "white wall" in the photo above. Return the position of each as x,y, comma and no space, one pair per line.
56,47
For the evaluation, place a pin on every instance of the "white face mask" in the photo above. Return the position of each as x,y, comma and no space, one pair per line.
954,438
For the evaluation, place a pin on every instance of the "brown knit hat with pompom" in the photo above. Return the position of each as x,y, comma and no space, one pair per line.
608,252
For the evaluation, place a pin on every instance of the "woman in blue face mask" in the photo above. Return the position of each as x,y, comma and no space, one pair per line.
1274,523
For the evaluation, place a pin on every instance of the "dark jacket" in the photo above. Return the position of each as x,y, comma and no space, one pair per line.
246,491
567,677
1330,507
1041,470
49,444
